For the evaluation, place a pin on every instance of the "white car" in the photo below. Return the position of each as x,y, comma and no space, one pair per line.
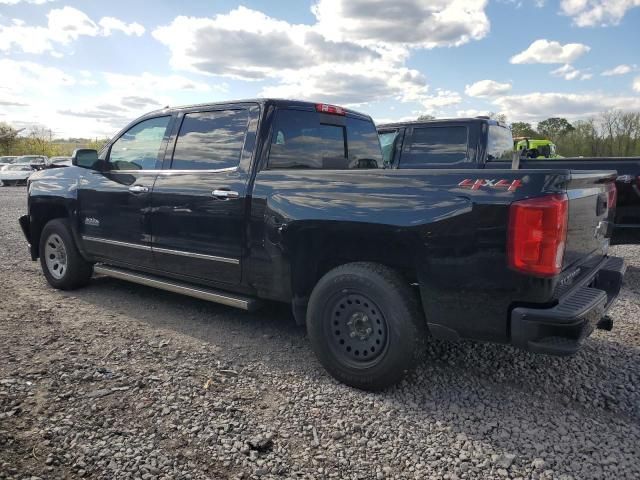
38,162
7,160
60,162
15,174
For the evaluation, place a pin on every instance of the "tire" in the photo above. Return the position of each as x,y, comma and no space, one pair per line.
365,325
61,262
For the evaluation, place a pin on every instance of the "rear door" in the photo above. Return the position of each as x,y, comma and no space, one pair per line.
198,202
114,203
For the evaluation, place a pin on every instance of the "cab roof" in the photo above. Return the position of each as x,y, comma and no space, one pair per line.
439,121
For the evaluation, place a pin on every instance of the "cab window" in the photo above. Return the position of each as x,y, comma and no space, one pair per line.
139,147
210,140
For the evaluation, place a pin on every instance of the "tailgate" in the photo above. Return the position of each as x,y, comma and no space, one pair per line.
591,210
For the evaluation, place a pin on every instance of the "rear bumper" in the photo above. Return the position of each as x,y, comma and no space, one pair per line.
561,329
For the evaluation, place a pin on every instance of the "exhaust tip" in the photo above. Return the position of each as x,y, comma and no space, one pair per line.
606,323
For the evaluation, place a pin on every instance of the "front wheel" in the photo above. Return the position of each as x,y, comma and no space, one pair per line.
61,262
365,325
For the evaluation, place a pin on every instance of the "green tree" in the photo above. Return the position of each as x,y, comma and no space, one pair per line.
522,129
501,117
8,136
423,118
555,127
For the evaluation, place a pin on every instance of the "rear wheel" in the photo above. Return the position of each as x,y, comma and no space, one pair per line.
365,325
61,262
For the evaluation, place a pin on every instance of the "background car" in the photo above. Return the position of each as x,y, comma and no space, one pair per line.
38,162
59,162
7,160
15,174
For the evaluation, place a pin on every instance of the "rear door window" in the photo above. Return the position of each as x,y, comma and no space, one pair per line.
210,140
441,146
309,140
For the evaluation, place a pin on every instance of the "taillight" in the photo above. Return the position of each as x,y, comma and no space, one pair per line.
332,109
612,195
538,234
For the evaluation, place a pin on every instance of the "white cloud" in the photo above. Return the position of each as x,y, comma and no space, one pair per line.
590,13
110,24
545,51
64,25
26,78
298,60
250,45
443,98
636,84
619,70
569,72
147,82
472,112
416,23
15,2
487,88
538,106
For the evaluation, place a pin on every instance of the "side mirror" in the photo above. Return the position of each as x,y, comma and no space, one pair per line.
85,158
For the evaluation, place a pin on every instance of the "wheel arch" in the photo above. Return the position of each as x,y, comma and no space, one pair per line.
40,213
317,249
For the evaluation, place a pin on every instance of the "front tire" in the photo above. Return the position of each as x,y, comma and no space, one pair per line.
365,325
61,262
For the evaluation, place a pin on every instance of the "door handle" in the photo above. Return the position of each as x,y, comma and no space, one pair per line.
139,189
225,194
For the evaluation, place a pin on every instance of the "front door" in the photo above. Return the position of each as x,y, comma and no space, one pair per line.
114,203
198,201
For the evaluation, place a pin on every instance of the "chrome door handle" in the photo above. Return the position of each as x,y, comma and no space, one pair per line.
225,194
139,189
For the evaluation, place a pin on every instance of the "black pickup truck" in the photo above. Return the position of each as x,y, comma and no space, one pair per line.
482,143
273,200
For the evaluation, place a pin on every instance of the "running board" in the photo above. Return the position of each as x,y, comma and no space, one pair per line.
203,293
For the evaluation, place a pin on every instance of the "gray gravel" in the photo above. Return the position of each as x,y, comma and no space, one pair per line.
122,381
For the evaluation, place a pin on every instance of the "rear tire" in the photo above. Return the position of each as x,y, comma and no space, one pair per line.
61,262
365,325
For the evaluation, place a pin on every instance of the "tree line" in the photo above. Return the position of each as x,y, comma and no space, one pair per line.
610,134
40,141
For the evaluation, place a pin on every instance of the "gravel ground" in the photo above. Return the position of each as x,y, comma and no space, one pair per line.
122,381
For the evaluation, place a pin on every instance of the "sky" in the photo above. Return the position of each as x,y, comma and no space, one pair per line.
87,68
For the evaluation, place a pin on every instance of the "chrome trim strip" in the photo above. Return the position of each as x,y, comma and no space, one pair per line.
234,261
168,171
204,294
117,243
202,256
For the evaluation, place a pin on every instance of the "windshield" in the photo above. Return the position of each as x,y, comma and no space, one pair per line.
500,143
387,140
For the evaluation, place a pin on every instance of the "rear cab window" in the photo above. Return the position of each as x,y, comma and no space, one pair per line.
499,143
303,139
388,143
439,146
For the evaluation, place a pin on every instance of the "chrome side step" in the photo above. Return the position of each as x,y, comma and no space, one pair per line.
204,293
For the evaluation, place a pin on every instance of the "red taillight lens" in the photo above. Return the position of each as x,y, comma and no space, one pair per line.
332,109
537,235
612,195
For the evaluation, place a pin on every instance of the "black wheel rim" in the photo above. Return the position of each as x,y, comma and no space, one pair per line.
356,329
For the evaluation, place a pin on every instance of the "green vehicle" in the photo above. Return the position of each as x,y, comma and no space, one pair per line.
536,148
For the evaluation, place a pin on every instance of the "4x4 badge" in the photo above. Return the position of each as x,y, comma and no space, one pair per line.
510,186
